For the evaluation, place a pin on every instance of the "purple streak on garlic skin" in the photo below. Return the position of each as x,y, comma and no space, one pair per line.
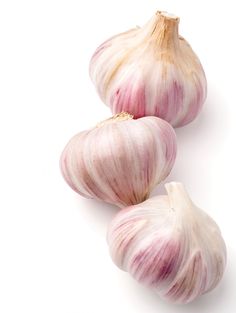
121,160
129,98
170,102
150,71
169,245
153,266
192,283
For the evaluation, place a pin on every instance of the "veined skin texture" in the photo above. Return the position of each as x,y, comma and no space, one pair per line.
121,160
170,245
150,71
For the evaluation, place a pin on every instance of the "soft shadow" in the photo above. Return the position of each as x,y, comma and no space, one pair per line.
202,138
148,299
212,120
97,214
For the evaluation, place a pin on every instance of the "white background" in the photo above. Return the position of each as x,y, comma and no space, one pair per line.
53,251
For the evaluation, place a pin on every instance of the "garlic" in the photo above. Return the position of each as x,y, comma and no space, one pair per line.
170,245
150,71
121,160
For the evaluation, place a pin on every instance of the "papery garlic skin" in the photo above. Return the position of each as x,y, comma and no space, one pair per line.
150,71
121,160
170,245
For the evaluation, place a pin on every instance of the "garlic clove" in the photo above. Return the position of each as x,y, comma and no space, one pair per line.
120,160
150,71
170,245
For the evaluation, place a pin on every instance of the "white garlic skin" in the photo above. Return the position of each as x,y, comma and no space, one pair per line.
121,160
170,245
150,71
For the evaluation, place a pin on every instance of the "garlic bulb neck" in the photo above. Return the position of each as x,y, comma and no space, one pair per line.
165,31
179,198
123,116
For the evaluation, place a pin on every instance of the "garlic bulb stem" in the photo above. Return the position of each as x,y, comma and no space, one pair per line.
178,197
165,31
168,15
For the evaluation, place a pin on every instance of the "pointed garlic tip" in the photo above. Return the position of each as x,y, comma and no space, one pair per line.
178,196
150,71
121,160
167,15
179,258
165,33
169,20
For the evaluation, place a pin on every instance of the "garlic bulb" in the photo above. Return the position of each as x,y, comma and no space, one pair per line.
170,245
150,71
121,160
